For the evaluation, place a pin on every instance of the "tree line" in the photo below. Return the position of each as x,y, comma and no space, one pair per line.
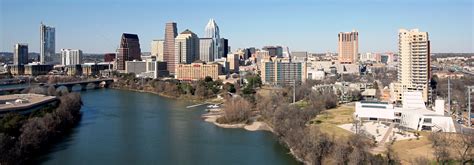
23,137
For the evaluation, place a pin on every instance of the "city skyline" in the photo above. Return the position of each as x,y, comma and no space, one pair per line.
377,22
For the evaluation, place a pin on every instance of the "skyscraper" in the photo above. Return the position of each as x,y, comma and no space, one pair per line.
131,42
47,44
348,47
71,57
187,47
414,63
157,49
212,31
206,49
122,56
223,47
20,55
169,47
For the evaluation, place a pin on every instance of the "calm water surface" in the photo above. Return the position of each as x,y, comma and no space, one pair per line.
123,127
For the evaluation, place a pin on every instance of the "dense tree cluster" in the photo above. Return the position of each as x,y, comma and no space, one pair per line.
201,89
236,110
449,146
291,124
21,137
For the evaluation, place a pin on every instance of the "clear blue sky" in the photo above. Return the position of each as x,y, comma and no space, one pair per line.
95,26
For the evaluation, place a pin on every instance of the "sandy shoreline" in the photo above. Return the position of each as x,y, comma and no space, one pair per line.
211,117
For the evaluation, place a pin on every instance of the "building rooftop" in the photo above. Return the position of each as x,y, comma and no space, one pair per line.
128,35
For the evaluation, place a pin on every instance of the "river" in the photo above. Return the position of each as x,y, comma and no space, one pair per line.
124,127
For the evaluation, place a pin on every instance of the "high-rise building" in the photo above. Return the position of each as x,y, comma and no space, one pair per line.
348,47
71,57
171,32
122,56
157,49
131,42
233,59
223,48
186,47
47,44
20,55
206,48
283,73
212,31
414,63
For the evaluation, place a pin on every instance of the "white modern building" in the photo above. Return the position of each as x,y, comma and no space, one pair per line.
71,57
413,113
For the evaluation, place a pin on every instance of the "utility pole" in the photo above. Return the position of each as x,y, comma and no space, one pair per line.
449,96
294,91
469,89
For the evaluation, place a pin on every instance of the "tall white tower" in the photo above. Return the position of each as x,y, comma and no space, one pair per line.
212,31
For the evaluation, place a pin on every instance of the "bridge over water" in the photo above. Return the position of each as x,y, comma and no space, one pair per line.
99,83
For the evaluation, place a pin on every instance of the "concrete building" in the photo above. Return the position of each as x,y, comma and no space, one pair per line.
274,51
299,56
413,113
315,74
283,72
206,49
25,103
71,57
414,63
147,69
73,70
122,56
35,70
186,47
348,47
47,44
16,69
157,49
20,54
94,69
109,57
198,70
169,57
234,61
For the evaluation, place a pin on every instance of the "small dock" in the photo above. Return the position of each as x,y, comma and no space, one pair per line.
196,105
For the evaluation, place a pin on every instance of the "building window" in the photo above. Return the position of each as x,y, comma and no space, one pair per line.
427,120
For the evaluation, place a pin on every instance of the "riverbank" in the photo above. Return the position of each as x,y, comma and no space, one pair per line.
254,125
23,137
193,99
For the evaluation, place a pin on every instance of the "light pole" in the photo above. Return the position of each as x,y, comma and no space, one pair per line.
469,90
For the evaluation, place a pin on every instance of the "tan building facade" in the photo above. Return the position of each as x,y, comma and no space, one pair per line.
348,47
414,63
198,70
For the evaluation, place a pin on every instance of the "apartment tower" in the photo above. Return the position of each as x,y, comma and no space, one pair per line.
414,63
348,47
